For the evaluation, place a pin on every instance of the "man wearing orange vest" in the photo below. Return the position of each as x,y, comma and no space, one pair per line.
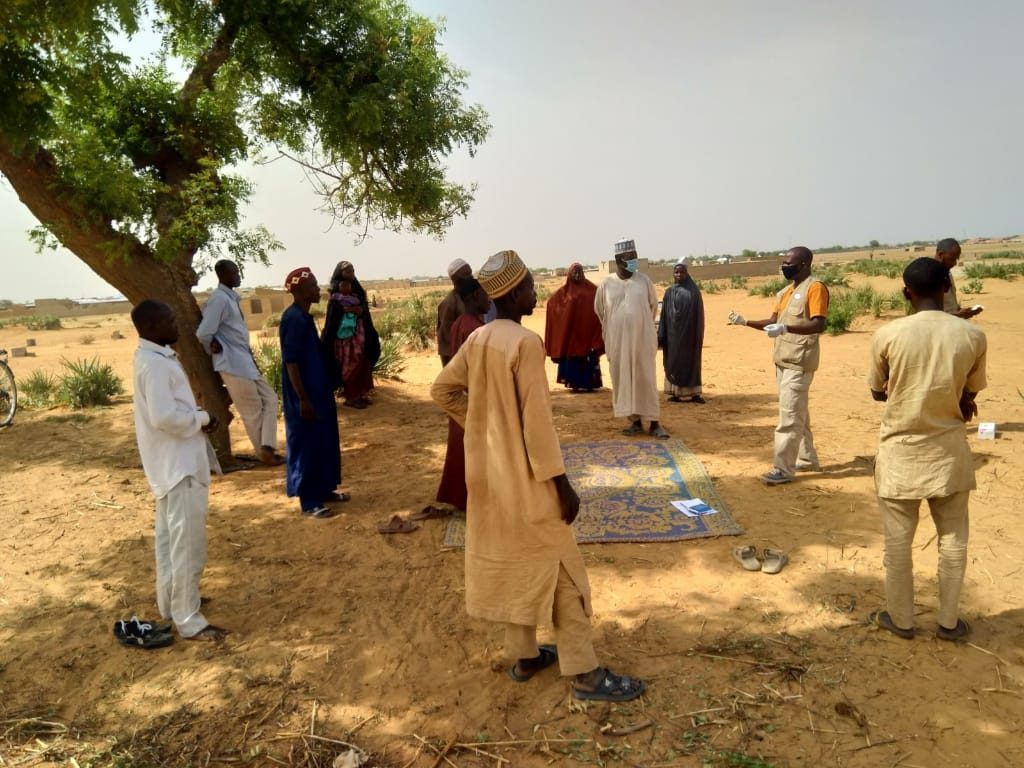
796,323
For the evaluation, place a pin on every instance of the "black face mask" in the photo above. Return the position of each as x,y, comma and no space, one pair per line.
789,271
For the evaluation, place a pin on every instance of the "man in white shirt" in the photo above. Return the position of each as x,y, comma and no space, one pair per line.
224,335
176,457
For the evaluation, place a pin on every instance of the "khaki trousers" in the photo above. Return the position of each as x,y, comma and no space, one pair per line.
794,443
181,554
899,518
572,632
256,402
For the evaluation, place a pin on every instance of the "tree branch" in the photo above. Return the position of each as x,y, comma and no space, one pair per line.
201,77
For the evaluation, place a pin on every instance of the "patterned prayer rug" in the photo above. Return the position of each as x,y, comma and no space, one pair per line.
626,490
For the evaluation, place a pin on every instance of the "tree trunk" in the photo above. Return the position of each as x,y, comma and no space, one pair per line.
138,276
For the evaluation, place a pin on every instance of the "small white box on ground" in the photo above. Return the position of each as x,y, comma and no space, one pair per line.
987,430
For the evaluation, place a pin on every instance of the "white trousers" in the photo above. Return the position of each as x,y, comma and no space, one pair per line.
181,554
794,443
256,402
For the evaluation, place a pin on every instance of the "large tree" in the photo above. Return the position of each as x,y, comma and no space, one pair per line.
132,163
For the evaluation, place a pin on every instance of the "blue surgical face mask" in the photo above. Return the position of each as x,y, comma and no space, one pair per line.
632,265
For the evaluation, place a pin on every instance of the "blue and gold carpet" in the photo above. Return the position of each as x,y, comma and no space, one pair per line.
626,490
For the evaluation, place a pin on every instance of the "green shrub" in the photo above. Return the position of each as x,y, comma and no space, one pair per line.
737,281
841,310
994,271
770,288
43,323
267,355
414,318
972,286
833,277
274,321
33,322
876,267
710,287
38,390
392,361
1003,255
543,293
88,383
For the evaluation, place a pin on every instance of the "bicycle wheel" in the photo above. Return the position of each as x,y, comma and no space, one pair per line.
8,395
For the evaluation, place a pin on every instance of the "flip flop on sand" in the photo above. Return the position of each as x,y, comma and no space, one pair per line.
774,560
747,557
432,512
397,525
548,656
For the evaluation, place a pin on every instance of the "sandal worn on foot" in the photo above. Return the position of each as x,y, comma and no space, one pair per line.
636,428
747,557
548,656
957,633
318,512
397,525
337,498
883,620
659,432
611,687
774,560
210,633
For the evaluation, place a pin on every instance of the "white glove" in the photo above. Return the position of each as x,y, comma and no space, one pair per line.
735,319
775,329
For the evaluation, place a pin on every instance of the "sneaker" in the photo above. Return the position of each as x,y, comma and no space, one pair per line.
138,634
776,477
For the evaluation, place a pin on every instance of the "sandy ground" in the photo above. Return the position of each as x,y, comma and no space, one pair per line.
364,638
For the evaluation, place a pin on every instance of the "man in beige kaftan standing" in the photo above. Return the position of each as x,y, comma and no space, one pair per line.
626,304
523,567
927,368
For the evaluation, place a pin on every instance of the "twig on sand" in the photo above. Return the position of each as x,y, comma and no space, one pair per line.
873,744
626,729
698,712
440,753
997,657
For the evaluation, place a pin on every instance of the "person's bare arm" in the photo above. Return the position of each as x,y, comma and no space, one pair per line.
806,327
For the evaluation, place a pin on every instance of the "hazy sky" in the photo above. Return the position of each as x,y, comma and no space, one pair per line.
690,126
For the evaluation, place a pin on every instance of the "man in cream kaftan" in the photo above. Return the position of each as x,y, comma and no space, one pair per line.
523,567
626,304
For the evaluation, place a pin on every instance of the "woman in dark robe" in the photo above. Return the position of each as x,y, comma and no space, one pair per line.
681,336
572,333
357,385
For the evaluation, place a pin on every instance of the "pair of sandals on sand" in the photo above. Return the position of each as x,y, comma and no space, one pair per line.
605,685
399,524
771,561
883,620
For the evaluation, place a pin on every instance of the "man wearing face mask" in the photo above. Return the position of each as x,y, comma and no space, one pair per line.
626,304
795,324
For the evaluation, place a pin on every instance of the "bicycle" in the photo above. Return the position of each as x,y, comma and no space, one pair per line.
8,392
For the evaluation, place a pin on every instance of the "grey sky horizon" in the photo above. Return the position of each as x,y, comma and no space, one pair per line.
691,127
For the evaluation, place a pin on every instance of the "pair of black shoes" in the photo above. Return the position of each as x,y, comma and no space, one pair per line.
143,634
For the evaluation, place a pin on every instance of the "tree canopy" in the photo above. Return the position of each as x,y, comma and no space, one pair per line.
135,164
